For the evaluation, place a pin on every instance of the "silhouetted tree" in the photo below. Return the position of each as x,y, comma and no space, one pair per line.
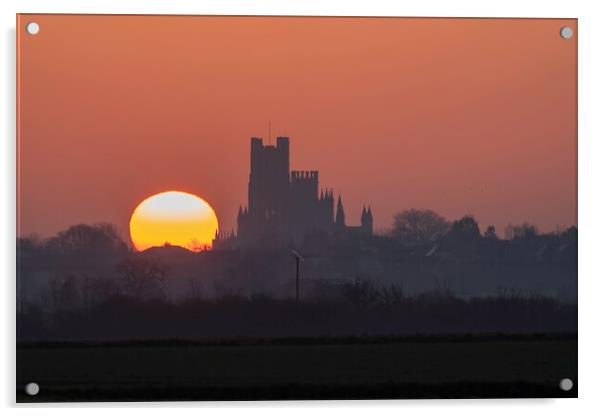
509,232
523,231
28,251
98,237
97,290
196,245
360,292
86,247
464,230
142,277
29,243
419,226
64,293
570,233
490,233
392,295
464,238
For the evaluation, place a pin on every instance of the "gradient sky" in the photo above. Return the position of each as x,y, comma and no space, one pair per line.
463,116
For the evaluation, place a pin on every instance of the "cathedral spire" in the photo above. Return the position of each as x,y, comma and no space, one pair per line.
367,222
340,216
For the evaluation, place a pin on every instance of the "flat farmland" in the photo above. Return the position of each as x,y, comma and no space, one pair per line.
357,368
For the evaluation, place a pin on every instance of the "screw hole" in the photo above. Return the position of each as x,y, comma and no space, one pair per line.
32,389
566,384
566,32
32,28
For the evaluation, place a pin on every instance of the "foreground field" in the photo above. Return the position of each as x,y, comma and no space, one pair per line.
300,369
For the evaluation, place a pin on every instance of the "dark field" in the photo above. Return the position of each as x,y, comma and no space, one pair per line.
352,368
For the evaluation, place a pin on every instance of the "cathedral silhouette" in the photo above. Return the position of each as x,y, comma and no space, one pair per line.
287,207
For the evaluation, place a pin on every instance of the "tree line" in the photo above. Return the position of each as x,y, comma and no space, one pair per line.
422,226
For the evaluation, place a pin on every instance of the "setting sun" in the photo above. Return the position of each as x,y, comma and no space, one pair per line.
176,218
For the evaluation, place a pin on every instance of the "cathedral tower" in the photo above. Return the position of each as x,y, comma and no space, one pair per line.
366,221
339,222
285,207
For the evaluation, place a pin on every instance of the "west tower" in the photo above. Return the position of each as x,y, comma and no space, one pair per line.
269,184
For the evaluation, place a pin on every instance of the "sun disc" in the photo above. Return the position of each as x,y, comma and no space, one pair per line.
174,218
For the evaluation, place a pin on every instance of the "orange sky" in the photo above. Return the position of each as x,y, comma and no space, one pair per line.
459,115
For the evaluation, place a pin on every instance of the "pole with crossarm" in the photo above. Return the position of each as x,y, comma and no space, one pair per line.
298,259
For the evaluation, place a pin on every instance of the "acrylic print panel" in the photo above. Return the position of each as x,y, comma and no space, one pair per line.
223,208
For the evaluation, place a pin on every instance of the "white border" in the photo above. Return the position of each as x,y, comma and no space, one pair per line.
590,177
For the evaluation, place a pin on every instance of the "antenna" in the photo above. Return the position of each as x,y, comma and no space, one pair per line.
270,132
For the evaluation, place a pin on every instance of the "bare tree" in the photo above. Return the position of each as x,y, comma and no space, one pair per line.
64,293
523,231
490,233
418,226
98,289
141,277
196,246
93,237
360,292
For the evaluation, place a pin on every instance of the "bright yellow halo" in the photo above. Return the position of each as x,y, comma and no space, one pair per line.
176,218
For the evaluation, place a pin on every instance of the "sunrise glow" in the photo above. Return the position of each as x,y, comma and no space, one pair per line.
174,218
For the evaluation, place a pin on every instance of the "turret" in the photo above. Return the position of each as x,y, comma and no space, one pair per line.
242,216
366,220
339,222
282,145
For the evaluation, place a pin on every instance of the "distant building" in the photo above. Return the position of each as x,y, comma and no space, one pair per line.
286,206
